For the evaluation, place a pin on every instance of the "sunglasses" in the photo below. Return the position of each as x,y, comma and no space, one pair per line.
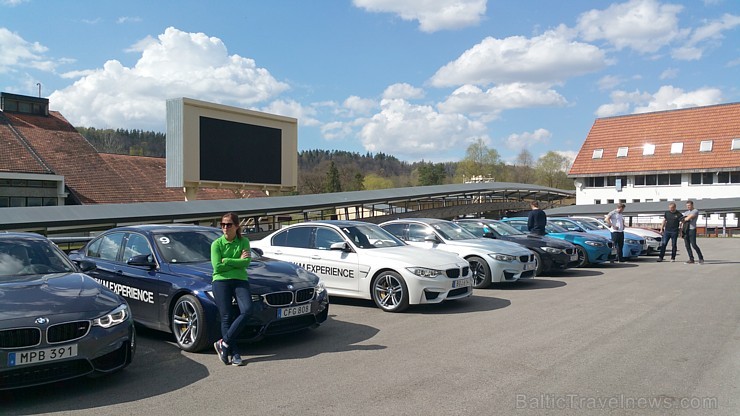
227,224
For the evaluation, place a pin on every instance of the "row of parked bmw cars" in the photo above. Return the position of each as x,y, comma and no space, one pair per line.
64,316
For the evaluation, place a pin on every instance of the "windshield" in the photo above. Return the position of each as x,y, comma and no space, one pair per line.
598,225
452,231
371,236
22,257
552,228
186,246
585,225
504,229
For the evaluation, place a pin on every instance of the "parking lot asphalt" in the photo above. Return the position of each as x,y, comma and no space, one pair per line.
619,339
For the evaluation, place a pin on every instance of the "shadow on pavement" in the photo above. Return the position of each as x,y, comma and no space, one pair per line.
158,367
466,305
529,284
574,273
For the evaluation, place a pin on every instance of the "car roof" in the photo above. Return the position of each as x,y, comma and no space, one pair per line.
162,228
21,236
337,223
421,220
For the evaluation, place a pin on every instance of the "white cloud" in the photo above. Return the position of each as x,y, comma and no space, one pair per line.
403,91
336,130
411,132
290,108
519,141
470,99
13,2
671,98
359,106
432,15
609,82
669,73
128,19
570,155
16,52
177,64
551,57
705,36
666,98
642,25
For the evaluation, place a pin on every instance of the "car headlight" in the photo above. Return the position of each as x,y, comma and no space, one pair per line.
112,318
650,239
594,243
502,257
631,242
320,288
552,250
424,272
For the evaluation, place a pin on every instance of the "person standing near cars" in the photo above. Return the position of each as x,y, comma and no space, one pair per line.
691,215
671,221
537,219
230,257
615,221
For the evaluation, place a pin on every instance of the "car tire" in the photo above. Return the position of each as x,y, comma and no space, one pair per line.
582,257
188,324
540,266
389,292
481,272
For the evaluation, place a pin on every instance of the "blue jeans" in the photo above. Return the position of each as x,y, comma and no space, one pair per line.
690,240
669,235
224,291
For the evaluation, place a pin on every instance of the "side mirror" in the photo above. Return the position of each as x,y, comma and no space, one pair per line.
86,265
258,251
489,235
431,238
142,260
341,246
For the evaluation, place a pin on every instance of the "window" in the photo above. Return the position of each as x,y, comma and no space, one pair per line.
299,237
648,149
109,246
622,151
639,180
677,148
651,180
136,245
597,202
735,144
609,201
723,177
326,237
396,229
735,177
419,232
624,201
664,179
705,146
612,180
634,201
598,153
705,178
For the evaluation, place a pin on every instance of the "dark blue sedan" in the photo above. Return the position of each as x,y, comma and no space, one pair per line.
164,271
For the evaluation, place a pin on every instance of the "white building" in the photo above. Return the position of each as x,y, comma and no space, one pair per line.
673,155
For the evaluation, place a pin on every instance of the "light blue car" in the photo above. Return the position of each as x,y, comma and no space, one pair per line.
634,245
592,248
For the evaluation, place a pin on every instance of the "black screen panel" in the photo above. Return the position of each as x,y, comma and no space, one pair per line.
239,152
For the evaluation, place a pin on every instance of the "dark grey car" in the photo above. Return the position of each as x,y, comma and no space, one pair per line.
56,323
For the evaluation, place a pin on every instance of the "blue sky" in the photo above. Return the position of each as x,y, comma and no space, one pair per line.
417,79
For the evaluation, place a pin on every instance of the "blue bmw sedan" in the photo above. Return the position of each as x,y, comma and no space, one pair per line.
164,271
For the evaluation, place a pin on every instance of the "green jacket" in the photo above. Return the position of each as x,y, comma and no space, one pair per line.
233,267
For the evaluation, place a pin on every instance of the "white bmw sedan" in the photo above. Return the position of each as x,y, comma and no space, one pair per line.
361,260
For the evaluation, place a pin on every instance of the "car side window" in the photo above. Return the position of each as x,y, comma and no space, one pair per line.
109,246
396,229
93,249
418,232
298,237
136,245
325,237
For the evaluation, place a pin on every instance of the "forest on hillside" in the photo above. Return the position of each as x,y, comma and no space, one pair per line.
322,171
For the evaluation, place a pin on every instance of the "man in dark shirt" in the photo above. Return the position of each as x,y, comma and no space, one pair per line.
669,229
537,219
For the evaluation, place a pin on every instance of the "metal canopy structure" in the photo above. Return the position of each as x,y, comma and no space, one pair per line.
705,207
79,218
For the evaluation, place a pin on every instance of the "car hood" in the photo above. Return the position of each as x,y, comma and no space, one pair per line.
54,294
416,256
579,236
493,246
608,234
265,275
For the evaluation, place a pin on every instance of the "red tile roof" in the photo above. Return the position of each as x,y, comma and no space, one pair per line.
94,178
719,123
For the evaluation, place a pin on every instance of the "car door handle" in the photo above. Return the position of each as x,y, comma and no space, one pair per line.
119,272
278,252
315,257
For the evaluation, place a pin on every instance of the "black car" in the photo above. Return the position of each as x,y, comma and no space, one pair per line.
550,253
164,271
56,323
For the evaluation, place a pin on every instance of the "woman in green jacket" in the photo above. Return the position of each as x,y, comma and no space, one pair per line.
230,257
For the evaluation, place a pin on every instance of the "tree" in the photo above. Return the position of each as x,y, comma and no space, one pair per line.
431,173
373,181
523,169
333,184
480,161
551,171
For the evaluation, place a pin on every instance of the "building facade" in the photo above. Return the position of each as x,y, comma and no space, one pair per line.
673,155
